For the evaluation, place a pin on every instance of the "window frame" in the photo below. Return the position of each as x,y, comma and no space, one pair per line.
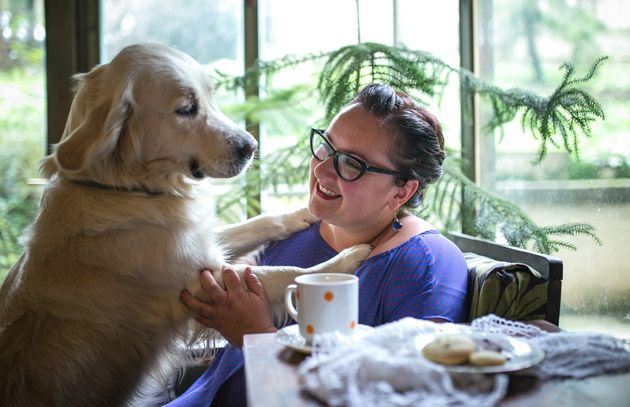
73,32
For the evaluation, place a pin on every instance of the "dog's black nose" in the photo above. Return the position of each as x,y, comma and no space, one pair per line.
246,148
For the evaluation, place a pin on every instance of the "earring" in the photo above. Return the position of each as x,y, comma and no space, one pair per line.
396,225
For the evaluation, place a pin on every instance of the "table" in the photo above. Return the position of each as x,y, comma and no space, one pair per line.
271,380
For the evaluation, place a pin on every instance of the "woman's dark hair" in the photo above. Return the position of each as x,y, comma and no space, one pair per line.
418,143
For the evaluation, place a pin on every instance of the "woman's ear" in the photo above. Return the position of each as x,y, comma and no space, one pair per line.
403,193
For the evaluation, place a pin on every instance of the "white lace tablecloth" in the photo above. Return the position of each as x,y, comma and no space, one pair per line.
382,368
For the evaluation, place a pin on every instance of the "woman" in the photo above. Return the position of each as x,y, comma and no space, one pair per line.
376,158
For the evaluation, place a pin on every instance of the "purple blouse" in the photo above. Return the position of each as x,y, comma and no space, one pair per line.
424,277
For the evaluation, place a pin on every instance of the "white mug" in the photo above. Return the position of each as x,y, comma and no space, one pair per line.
326,302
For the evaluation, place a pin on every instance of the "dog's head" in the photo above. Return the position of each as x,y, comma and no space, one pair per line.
148,119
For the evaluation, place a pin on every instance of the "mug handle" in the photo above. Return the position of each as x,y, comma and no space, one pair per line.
288,301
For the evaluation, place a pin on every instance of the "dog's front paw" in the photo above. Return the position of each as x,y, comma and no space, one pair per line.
348,260
295,221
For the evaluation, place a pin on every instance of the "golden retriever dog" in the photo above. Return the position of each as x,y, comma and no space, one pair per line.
123,227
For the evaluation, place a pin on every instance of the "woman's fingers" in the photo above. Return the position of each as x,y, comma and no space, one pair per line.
211,287
194,305
235,310
231,280
253,282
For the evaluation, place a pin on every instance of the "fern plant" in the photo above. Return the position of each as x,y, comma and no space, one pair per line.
568,112
486,214
560,119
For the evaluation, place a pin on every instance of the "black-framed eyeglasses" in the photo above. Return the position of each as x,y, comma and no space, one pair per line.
348,167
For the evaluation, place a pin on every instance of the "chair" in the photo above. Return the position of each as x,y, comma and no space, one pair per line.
510,282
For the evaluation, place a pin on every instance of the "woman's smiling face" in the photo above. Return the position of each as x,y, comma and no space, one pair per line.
364,201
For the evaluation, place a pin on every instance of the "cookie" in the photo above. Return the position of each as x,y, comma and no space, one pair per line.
449,349
487,358
487,344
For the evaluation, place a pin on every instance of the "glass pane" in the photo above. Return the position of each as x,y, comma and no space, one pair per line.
209,31
523,44
438,35
22,122
319,29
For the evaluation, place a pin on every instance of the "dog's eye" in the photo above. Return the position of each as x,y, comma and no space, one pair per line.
188,110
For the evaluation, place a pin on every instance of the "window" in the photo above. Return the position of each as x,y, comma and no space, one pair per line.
522,44
22,122
210,31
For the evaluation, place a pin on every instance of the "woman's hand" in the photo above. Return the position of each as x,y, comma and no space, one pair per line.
234,311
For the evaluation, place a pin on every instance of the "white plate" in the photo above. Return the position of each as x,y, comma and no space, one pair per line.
520,354
290,337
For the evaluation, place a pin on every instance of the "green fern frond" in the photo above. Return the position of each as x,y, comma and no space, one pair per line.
255,74
493,214
567,113
559,119
352,67
278,109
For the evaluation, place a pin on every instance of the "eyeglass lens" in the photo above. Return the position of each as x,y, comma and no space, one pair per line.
347,167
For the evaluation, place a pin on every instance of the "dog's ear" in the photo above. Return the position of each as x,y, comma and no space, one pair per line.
97,116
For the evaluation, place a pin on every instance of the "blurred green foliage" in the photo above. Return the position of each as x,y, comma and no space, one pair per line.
603,166
22,122
21,148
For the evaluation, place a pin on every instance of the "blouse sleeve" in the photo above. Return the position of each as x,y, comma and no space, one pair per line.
427,279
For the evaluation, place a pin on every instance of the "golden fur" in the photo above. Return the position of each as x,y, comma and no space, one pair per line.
94,300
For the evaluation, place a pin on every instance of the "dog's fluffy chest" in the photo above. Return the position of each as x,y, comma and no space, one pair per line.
121,243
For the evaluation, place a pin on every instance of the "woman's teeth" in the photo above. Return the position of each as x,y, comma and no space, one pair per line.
327,192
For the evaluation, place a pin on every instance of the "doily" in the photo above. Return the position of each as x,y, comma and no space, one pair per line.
382,367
